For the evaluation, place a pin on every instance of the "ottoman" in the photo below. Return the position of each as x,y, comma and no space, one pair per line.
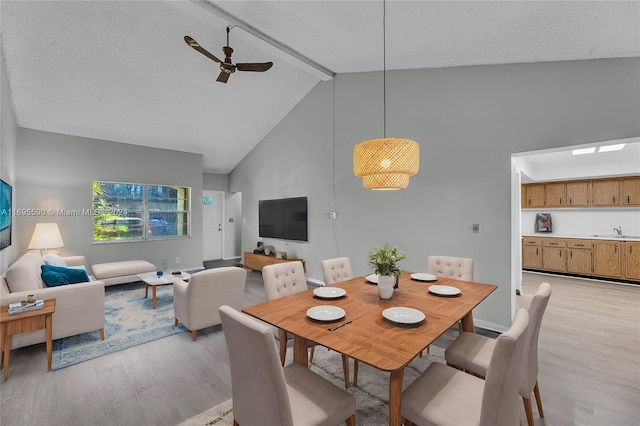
121,272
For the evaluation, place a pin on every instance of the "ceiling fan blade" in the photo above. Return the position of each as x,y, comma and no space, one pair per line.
223,77
254,67
191,42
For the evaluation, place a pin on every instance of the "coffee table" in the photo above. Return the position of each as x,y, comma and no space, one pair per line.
151,279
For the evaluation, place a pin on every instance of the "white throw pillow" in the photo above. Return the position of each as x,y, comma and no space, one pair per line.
54,260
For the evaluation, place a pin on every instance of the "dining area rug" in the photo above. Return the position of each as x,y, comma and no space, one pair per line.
371,394
129,321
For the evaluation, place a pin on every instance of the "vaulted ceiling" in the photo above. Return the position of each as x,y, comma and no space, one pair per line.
121,71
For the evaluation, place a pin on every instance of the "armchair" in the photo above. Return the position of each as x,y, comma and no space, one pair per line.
196,303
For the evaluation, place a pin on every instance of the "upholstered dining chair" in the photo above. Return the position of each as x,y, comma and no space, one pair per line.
284,279
472,353
195,304
265,393
444,395
459,268
336,270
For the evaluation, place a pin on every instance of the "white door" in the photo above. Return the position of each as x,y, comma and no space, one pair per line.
212,224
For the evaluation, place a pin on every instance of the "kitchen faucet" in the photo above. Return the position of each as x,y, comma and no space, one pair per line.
619,231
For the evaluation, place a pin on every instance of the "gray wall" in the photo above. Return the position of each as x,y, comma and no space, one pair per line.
56,171
8,129
468,121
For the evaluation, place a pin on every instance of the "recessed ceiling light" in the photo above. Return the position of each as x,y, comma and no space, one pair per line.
584,151
608,148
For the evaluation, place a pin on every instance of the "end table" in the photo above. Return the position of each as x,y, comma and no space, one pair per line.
21,323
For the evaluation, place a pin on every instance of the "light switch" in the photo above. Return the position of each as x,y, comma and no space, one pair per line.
475,228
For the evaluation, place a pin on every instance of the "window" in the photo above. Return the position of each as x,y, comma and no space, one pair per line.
135,211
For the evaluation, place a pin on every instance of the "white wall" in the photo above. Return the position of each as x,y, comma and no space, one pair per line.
56,171
468,121
8,130
585,222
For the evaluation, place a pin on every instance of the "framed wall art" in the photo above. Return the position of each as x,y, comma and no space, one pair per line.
5,214
543,222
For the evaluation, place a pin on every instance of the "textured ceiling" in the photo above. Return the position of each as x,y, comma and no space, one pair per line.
120,70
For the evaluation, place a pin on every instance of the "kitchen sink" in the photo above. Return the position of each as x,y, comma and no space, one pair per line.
617,236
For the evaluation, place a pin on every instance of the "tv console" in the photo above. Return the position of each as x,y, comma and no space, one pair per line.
258,261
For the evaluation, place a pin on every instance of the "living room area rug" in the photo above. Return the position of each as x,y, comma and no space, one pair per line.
129,321
371,394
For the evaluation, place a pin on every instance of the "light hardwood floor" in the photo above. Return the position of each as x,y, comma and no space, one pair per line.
589,368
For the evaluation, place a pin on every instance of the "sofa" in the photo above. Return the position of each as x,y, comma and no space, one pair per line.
79,307
126,271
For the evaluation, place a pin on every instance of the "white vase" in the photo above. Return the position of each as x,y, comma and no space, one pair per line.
385,286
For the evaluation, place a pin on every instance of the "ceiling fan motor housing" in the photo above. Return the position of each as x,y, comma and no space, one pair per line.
227,67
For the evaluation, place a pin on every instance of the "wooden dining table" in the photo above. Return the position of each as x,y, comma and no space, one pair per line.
369,337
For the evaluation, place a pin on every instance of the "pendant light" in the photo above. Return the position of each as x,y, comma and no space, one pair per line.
386,163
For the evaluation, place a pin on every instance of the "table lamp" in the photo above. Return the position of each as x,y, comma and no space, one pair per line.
46,236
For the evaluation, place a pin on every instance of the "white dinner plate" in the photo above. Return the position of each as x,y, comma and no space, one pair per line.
329,292
424,277
403,315
444,290
325,313
372,278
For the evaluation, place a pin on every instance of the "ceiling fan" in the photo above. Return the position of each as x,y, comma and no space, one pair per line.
227,67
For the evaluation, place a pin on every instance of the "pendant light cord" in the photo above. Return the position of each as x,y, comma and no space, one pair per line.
384,67
333,167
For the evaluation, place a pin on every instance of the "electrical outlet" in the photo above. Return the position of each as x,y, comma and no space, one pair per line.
177,260
475,228
333,215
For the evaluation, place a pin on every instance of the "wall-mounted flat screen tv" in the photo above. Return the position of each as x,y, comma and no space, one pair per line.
285,218
5,214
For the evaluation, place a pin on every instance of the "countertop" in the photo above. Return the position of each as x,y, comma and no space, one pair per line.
584,237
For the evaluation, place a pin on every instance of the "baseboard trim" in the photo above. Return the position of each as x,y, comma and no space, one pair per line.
487,325
605,280
232,258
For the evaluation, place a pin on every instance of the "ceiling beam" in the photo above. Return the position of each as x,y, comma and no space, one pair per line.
308,64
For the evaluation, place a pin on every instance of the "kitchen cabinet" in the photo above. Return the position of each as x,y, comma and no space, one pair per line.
535,195
579,257
630,191
610,192
553,254
606,258
532,252
605,193
555,194
577,194
618,259
631,260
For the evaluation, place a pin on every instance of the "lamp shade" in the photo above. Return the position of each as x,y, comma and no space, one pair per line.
386,163
46,236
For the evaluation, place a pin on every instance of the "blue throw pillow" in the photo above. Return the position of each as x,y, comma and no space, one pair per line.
58,275
52,279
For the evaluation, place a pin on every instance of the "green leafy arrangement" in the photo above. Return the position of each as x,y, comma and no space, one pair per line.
385,260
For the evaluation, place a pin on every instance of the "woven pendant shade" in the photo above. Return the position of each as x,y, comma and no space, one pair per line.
386,163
